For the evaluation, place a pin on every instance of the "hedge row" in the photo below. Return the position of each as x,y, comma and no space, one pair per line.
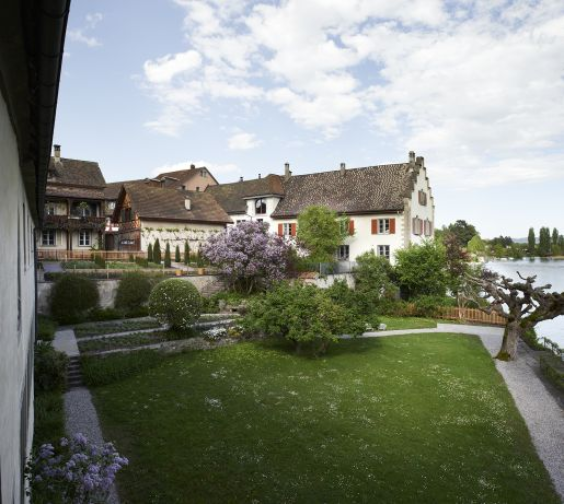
553,368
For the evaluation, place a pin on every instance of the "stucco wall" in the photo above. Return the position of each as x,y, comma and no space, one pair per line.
17,316
176,233
415,209
108,288
61,241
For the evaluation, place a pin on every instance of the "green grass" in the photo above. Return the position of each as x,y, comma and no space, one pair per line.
95,329
396,323
409,419
131,340
49,419
46,328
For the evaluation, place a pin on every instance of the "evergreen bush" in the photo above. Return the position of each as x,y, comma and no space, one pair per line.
50,368
175,302
177,254
186,252
157,257
167,260
133,291
72,297
150,253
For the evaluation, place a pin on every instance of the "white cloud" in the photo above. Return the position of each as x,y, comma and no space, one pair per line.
243,141
81,35
477,86
163,69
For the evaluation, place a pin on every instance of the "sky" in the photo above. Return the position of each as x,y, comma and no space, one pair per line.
474,86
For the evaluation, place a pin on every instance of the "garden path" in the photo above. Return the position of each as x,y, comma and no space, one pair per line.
80,413
539,408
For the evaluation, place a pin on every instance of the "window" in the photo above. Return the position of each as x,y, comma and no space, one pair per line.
287,229
49,238
383,226
417,226
384,251
204,173
50,209
260,206
343,253
428,228
422,198
260,220
111,205
84,238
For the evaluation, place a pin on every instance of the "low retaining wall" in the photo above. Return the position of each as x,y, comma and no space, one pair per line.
107,290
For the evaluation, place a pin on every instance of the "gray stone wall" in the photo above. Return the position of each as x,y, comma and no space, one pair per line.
205,284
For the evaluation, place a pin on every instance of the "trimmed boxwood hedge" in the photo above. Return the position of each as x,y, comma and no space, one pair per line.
553,368
72,297
132,292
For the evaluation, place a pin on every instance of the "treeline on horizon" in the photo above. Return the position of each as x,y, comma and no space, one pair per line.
549,243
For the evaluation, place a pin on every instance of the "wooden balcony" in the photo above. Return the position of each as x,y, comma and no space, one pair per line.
71,223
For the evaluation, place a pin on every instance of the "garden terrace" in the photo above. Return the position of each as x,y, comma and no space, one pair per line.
420,418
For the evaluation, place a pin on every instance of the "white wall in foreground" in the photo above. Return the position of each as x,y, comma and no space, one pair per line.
17,317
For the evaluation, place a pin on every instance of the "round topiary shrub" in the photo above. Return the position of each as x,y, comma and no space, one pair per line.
133,291
176,302
71,297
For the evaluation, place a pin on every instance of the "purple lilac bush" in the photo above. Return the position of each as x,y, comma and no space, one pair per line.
248,256
74,471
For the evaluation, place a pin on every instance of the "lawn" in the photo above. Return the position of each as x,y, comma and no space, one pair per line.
423,418
396,323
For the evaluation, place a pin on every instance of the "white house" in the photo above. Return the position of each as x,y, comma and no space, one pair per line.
31,52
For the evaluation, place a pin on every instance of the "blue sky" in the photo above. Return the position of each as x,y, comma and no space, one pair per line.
475,86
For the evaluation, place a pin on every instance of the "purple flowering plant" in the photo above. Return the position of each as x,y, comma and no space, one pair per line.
248,257
74,471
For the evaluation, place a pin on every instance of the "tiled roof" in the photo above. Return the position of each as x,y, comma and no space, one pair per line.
358,190
61,191
162,203
231,196
75,172
187,174
111,192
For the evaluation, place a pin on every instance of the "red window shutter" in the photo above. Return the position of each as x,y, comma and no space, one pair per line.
280,229
292,229
374,226
392,226
351,227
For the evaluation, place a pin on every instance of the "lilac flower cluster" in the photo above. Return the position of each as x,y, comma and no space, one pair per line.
75,471
247,255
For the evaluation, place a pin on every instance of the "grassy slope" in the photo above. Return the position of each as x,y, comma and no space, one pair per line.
406,419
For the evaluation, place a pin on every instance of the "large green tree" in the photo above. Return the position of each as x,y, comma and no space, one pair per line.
555,236
532,242
545,242
476,246
463,231
421,270
320,232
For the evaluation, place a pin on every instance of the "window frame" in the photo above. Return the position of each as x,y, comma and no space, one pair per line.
343,253
87,233
384,226
387,251
49,231
262,203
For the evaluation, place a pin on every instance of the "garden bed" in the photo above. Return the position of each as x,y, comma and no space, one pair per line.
132,340
118,326
404,419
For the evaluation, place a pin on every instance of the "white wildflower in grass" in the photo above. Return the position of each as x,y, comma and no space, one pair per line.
213,403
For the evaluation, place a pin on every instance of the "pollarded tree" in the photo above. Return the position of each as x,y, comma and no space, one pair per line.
520,303
248,257
321,231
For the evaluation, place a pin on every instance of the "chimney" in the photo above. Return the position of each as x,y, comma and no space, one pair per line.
287,172
343,169
241,179
411,157
187,203
260,175
420,160
57,153
192,166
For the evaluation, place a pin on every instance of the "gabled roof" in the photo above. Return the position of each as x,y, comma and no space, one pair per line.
359,190
168,204
187,174
75,172
112,189
232,196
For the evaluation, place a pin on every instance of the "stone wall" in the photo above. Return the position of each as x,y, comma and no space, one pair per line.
205,284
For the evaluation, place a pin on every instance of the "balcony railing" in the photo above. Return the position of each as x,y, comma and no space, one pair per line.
72,222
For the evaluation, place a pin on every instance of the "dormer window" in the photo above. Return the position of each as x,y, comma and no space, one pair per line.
260,206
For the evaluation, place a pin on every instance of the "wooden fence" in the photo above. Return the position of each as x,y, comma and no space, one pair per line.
470,315
87,255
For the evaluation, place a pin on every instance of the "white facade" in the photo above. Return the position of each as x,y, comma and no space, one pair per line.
17,317
395,232
176,233
254,208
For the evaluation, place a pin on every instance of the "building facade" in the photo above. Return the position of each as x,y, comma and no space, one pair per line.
29,77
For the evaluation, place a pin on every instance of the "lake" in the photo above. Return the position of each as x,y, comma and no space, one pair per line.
548,271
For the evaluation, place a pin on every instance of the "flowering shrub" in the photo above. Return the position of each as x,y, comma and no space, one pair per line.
75,471
175,302
248,256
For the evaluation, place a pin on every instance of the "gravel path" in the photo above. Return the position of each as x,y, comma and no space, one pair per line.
80,413
538,407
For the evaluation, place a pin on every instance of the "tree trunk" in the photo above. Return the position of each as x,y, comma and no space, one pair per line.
511,335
